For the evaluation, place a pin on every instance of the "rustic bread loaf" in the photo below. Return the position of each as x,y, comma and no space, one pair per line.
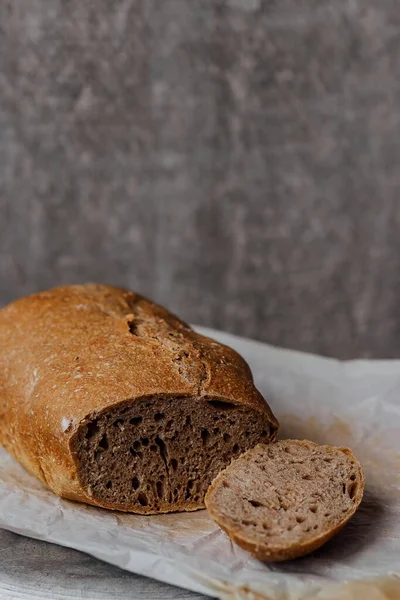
285,500
111,400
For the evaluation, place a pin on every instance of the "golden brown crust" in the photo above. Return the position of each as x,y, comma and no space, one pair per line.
278,553
69,353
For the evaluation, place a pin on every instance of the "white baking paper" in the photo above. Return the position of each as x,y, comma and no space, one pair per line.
355,404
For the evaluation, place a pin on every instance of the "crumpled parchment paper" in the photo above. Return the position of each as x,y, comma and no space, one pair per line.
354,404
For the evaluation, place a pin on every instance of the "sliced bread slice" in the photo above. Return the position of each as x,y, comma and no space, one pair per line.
286,499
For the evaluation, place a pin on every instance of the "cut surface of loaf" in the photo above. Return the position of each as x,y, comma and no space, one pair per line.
110,399
162,453
284,500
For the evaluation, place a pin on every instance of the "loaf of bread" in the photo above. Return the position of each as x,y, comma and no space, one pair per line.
111,400
285,500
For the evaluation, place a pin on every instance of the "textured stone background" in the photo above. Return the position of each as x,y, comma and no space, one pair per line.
237,160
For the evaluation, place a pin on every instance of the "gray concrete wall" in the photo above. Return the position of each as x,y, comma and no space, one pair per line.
236,160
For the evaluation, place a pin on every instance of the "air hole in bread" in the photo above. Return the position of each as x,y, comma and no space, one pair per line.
300,519
132,327
205,434
135,483
314,508
353,477
255,503
307,477
227,437
136,445
344,488
142,499
188,421
109,485
103,443
158,417
153,448
353,490
163,450
174,464
189,486
220,405
235,448
225,484
217,431
92,429
160,489
136,420
145,441
136,453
